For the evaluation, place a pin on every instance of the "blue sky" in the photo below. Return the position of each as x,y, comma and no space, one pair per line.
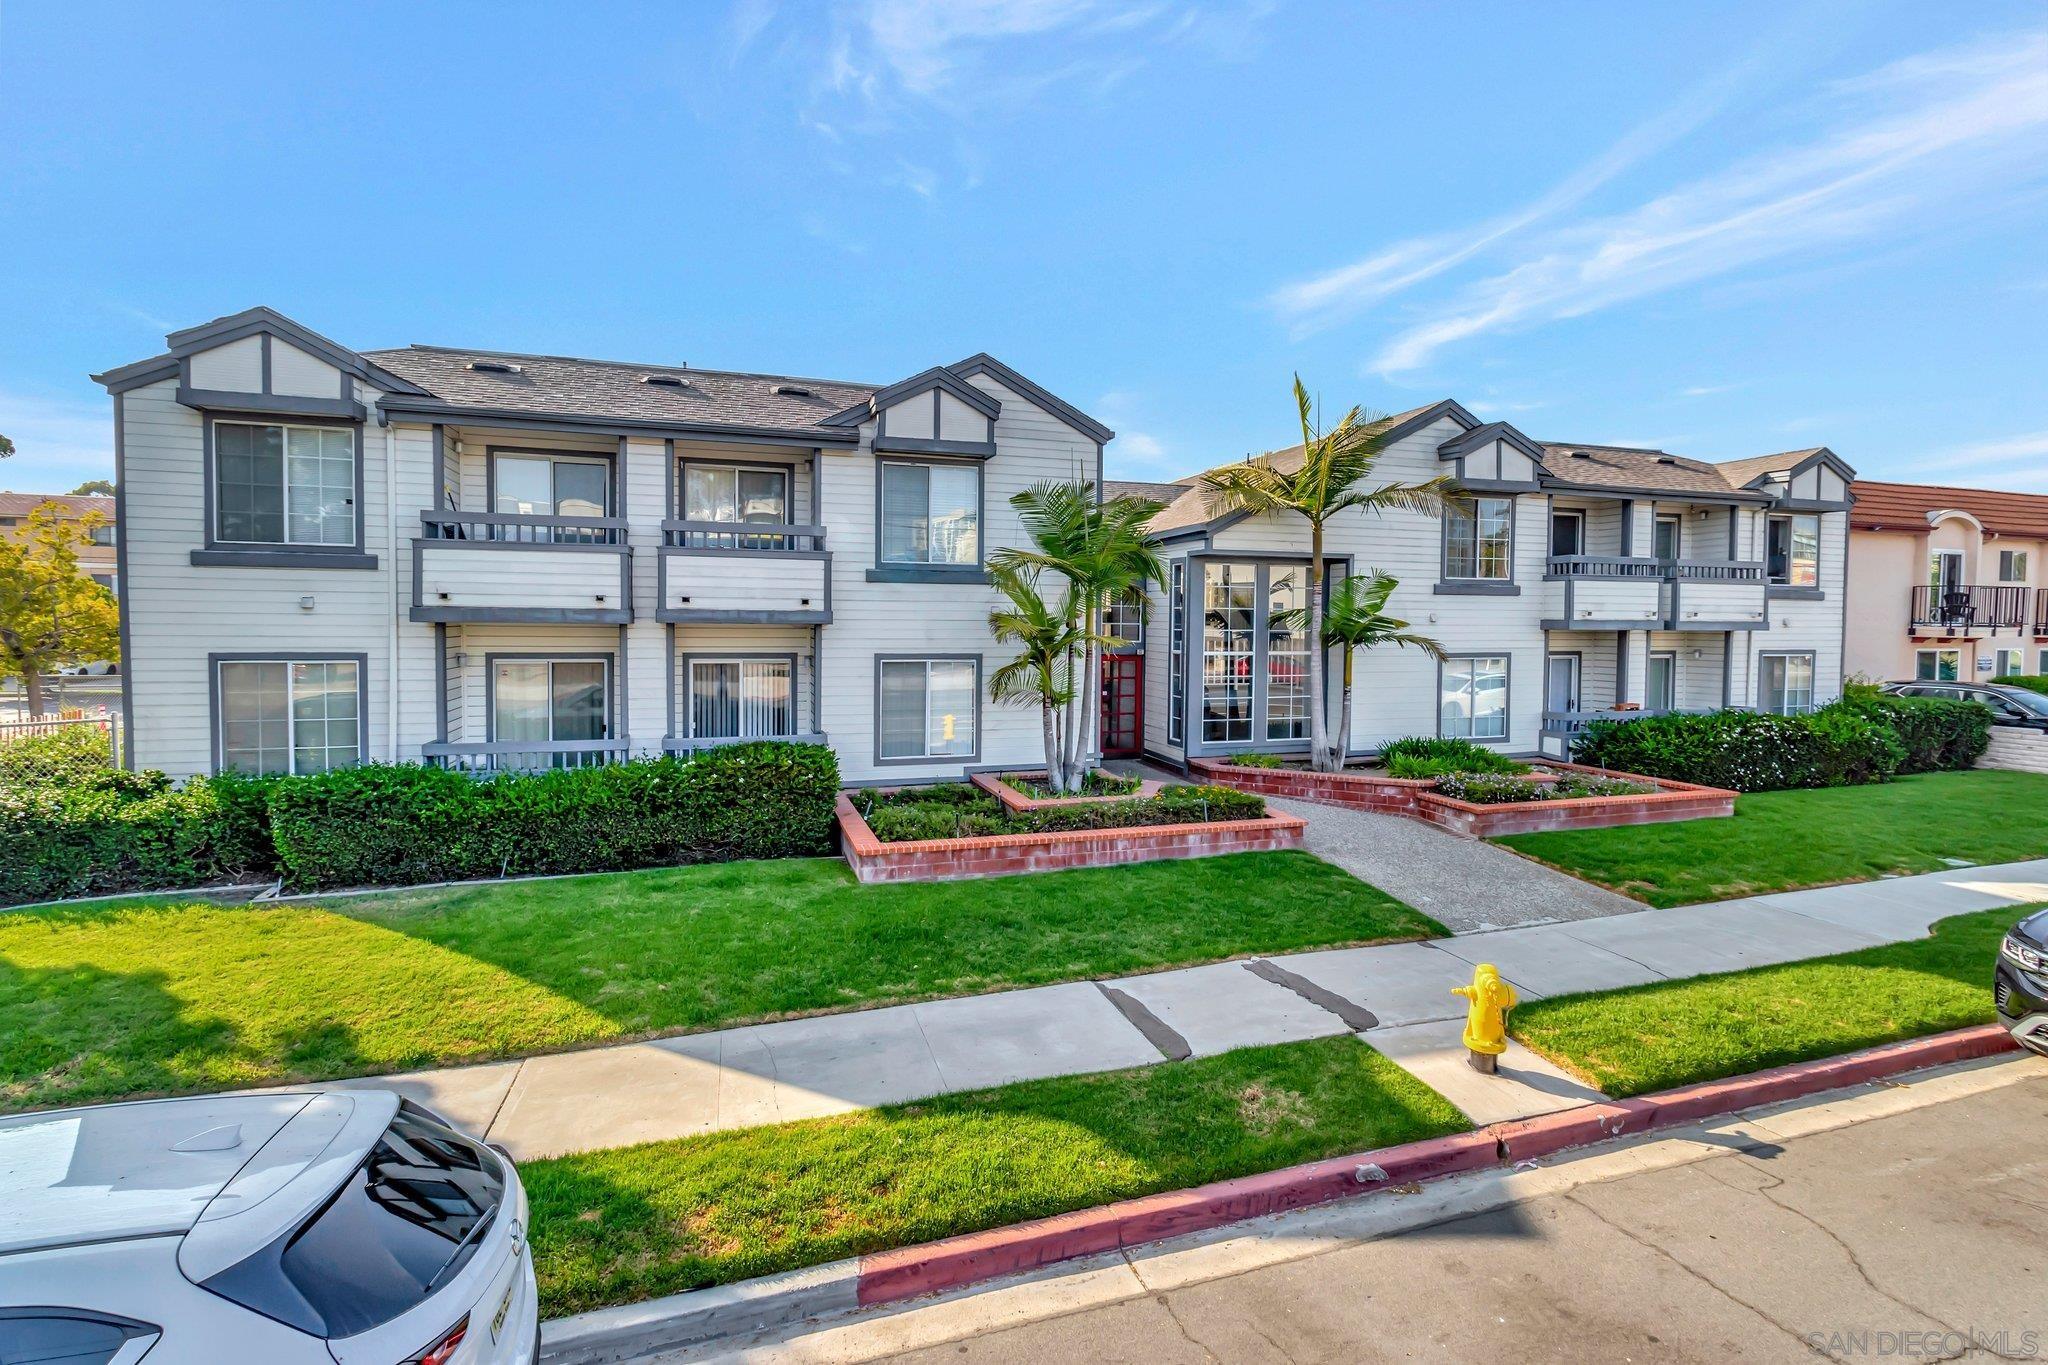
1723,230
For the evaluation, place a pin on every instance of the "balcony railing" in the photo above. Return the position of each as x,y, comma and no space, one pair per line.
1965,607
763,536
524,756
516,528
1572,722
1717,570
1604,566
2041,611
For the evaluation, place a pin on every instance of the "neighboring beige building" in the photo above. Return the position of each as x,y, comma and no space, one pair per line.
95,559
1948,582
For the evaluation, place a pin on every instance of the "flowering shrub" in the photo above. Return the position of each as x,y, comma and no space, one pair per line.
1747,751
1494,789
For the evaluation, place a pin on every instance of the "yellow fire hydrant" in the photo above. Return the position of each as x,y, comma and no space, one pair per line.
1486,1022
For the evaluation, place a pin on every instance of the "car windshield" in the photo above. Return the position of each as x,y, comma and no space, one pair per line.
2033,703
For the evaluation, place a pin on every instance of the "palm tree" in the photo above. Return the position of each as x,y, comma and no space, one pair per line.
1101,549
1356,619
1042,672
1334,463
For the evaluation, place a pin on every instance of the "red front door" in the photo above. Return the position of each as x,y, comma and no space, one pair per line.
1123,705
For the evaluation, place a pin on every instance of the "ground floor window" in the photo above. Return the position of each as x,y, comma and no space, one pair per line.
1287,651
927,708
2009,661
741,698
1229,607
1938,665
1177,645
545,701
289,716
1785,684
1474,697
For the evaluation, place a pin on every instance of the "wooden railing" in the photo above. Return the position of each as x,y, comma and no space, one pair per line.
769,537
521,529
524,756
1571,722
1717,570
1968,606
1604,566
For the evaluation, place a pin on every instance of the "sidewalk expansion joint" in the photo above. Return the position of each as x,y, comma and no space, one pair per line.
1171,1045
1356,1017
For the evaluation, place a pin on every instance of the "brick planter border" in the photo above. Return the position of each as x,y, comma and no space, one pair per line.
997,855
1017,801
1414,797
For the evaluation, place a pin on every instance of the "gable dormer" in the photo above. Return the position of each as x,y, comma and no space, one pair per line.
262,361
1492,457
1814,480
934,413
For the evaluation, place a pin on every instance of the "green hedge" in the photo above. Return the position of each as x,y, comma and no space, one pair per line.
1938,734
2033,682
1748,751
104,830
1427,756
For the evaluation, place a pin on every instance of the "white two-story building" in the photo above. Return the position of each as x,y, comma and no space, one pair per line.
488,560
1570,581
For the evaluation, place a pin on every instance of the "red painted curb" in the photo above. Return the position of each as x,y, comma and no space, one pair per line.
908,1272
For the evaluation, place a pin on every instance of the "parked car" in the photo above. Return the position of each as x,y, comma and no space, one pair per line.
2009,705
331,1226
2020,982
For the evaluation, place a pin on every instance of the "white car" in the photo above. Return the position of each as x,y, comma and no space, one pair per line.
328,1226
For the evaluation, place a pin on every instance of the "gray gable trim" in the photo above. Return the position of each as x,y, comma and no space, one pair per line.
937,377
1483,435
122,378
260,319
270,404
984,363
434,409
1820,456
1436,412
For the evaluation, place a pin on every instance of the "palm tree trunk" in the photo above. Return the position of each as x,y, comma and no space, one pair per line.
1050,719
1091,712
1319,722
1344,726
1065,779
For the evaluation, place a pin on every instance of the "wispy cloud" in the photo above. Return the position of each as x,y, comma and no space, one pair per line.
1705,390
58,444
1135,453
1941,131
1990,459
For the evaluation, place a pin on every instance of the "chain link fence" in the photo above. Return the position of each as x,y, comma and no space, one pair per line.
43,753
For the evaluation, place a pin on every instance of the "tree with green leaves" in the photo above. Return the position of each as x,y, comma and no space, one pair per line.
1047,635
1357,619
1327,482
6,447
51,614
93,488
1102,550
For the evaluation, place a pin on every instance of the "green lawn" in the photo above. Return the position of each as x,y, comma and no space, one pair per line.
1780,840
635,1222
1644,1038
152,997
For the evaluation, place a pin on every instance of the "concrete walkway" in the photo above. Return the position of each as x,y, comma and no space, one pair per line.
1396,996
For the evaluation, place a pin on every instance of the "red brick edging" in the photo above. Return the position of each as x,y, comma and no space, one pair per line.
1415,798
912,1271
993,784
998,855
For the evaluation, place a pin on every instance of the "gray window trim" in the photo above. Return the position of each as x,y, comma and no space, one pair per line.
613,682
609,458
1177,632
1819,559
276,554
926,760
288,656
898,571
721,656
1508,729
1576,515
1812,663
1502,587
1652,658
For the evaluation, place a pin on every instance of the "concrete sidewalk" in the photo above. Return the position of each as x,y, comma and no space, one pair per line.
1396,996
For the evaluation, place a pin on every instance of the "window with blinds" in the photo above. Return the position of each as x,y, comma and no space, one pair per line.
741,699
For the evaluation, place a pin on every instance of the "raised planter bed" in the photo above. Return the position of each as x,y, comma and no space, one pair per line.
1417,799
999,855
994,785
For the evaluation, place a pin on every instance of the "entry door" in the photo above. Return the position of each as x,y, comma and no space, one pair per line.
1123,705
1660,690
1668,538
1561,683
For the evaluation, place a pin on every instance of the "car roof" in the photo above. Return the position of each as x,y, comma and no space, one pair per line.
143,1169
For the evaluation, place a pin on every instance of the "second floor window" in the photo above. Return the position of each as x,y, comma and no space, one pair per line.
1478,538
1792,557
2012,566
284,485
731,493
931,513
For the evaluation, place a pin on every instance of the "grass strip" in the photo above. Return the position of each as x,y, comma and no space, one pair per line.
631,1223
1643,1038
139,998
1780,840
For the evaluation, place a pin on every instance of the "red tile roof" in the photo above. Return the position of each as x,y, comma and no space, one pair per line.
1904,507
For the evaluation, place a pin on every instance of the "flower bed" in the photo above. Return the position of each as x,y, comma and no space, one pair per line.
1654,801
958,830
1028,791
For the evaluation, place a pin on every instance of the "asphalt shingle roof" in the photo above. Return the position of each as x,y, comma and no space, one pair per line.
21,504
1623,467
614,389
1132,488
1740,472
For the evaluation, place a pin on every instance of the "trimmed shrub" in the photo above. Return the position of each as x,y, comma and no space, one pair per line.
1937,733
1746,751
2033,682
1424,756
1579,784
1257,761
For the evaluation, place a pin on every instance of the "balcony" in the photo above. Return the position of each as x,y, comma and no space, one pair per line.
2041,612
524,756
1717,594
1965,608
1603,592
500,566
745,573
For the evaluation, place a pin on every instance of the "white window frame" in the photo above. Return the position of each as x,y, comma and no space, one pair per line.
1936,654
782,661
1791,521
1785,706
1471,694
2008,561
924,755
1478,574
355,455
291,720
1998,660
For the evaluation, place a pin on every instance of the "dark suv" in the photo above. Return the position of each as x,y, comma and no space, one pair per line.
2009,705
2020,983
